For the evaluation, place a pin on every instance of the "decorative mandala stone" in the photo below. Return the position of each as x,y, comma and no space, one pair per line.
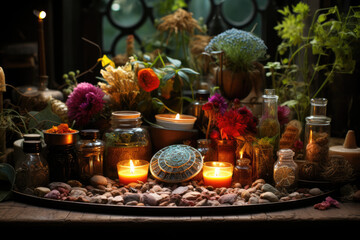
176,163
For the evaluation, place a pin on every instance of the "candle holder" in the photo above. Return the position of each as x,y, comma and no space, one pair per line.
175,121
217,174
132,171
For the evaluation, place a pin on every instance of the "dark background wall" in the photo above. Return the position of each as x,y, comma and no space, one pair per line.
69,20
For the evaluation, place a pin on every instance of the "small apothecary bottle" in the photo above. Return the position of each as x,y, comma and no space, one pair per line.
285,169
243,172
32,171
125,140
195,108
90,152
317,136
269,125
204,147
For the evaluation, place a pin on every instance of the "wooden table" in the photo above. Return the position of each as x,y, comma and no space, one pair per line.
15,216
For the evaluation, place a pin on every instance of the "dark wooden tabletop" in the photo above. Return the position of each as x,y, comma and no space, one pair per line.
17,215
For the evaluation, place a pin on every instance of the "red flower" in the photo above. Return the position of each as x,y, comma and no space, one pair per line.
231,124
214,134
208,106
148,80
248,119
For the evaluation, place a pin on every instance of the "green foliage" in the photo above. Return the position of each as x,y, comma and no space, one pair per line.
331,39
169,6
44,119
70,82
179,77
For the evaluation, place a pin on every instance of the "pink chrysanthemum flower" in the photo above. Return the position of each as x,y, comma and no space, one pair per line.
283,114
84,102
219,103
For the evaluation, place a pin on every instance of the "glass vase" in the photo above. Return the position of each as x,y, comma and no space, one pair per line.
225,151
317,136
263,163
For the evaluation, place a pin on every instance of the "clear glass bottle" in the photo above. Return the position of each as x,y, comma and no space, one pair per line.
269,125
243,172
285,169
317,136
125,140
32,171
195,108
90,152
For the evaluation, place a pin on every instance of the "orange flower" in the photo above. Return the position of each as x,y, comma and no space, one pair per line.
148,80
62,128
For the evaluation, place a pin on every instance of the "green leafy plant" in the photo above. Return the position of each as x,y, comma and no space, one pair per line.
331,40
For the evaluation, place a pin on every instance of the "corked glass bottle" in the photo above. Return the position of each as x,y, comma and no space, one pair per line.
269,125
32,171
317,136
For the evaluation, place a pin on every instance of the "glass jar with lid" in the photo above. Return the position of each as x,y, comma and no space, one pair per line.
269,125
32,170
317,136
90,152
125,140
285,169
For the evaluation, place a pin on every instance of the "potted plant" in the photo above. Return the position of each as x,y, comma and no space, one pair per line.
238,52
331,40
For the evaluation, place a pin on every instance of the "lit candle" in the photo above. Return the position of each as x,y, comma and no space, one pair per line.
217,174
41,49
176,121
132,171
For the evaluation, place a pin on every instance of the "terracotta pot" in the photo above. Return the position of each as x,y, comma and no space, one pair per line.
239,84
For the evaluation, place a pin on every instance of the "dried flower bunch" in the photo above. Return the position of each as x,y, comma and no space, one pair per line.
121,85
179,21
240,48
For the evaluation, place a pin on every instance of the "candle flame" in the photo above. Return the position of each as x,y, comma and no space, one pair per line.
132,167
177,117
217,172
42,15
310,136
242,152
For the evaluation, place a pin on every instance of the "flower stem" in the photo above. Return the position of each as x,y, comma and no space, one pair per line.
208,127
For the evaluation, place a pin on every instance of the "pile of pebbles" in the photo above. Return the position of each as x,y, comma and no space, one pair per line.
103,190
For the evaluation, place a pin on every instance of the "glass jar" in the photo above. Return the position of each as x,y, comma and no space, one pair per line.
61,156
90,152
204,147
125,140
317,136
225,150
285,169
32,171
263,162
269,125
243,172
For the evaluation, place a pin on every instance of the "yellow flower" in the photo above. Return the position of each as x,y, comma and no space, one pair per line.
106,61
